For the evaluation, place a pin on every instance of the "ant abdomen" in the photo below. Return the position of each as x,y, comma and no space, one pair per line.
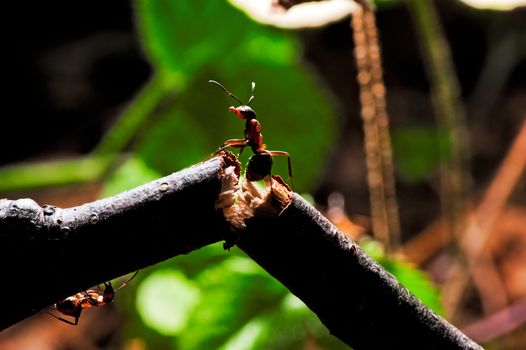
259,166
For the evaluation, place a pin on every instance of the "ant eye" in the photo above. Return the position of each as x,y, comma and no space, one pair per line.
65,305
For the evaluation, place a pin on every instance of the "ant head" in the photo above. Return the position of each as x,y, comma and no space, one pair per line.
68,307
109,293
64,304
244,111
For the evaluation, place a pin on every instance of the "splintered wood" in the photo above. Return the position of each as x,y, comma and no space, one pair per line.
242,200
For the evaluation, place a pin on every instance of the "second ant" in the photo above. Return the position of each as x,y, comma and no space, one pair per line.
74,305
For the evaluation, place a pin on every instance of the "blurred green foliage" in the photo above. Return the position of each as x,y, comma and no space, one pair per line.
408,275
419,151
164,299
211,299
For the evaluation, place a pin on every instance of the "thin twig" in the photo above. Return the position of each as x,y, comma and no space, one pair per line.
133,118
499,323
480,225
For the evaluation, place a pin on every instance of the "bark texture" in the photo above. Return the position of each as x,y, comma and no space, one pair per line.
356,299
49,253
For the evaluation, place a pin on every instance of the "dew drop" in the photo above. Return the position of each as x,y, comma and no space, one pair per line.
65,231
93,219
48,209
164,187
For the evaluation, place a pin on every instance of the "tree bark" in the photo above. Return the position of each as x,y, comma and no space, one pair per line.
49,253
357,300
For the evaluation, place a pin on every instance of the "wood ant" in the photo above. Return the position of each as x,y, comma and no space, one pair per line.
75,304
260,164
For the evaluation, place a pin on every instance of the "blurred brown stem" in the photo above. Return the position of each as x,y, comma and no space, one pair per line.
449,111
377,140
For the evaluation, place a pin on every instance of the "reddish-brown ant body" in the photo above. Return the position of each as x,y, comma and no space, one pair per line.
260,164
75,304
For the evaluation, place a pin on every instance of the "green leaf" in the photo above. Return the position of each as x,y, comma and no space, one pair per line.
232,292
176,141
132,173
417,282
165,300
190,43
196,124
290,325
182,36
381,4
407,274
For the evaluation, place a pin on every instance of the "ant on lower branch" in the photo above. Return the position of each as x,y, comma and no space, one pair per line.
73,305
260,164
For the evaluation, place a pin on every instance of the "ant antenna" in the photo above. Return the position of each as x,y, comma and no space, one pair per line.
128,281
251,97
228,92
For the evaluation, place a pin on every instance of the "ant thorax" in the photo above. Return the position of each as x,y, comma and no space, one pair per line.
253,134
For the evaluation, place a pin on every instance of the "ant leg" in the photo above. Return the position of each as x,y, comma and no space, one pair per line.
284,154
90,299
233,143
69,322
64,320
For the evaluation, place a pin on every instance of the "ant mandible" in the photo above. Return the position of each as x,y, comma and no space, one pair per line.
75,304
260,164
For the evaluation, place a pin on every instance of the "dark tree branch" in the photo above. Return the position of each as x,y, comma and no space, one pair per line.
356,299
50,253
